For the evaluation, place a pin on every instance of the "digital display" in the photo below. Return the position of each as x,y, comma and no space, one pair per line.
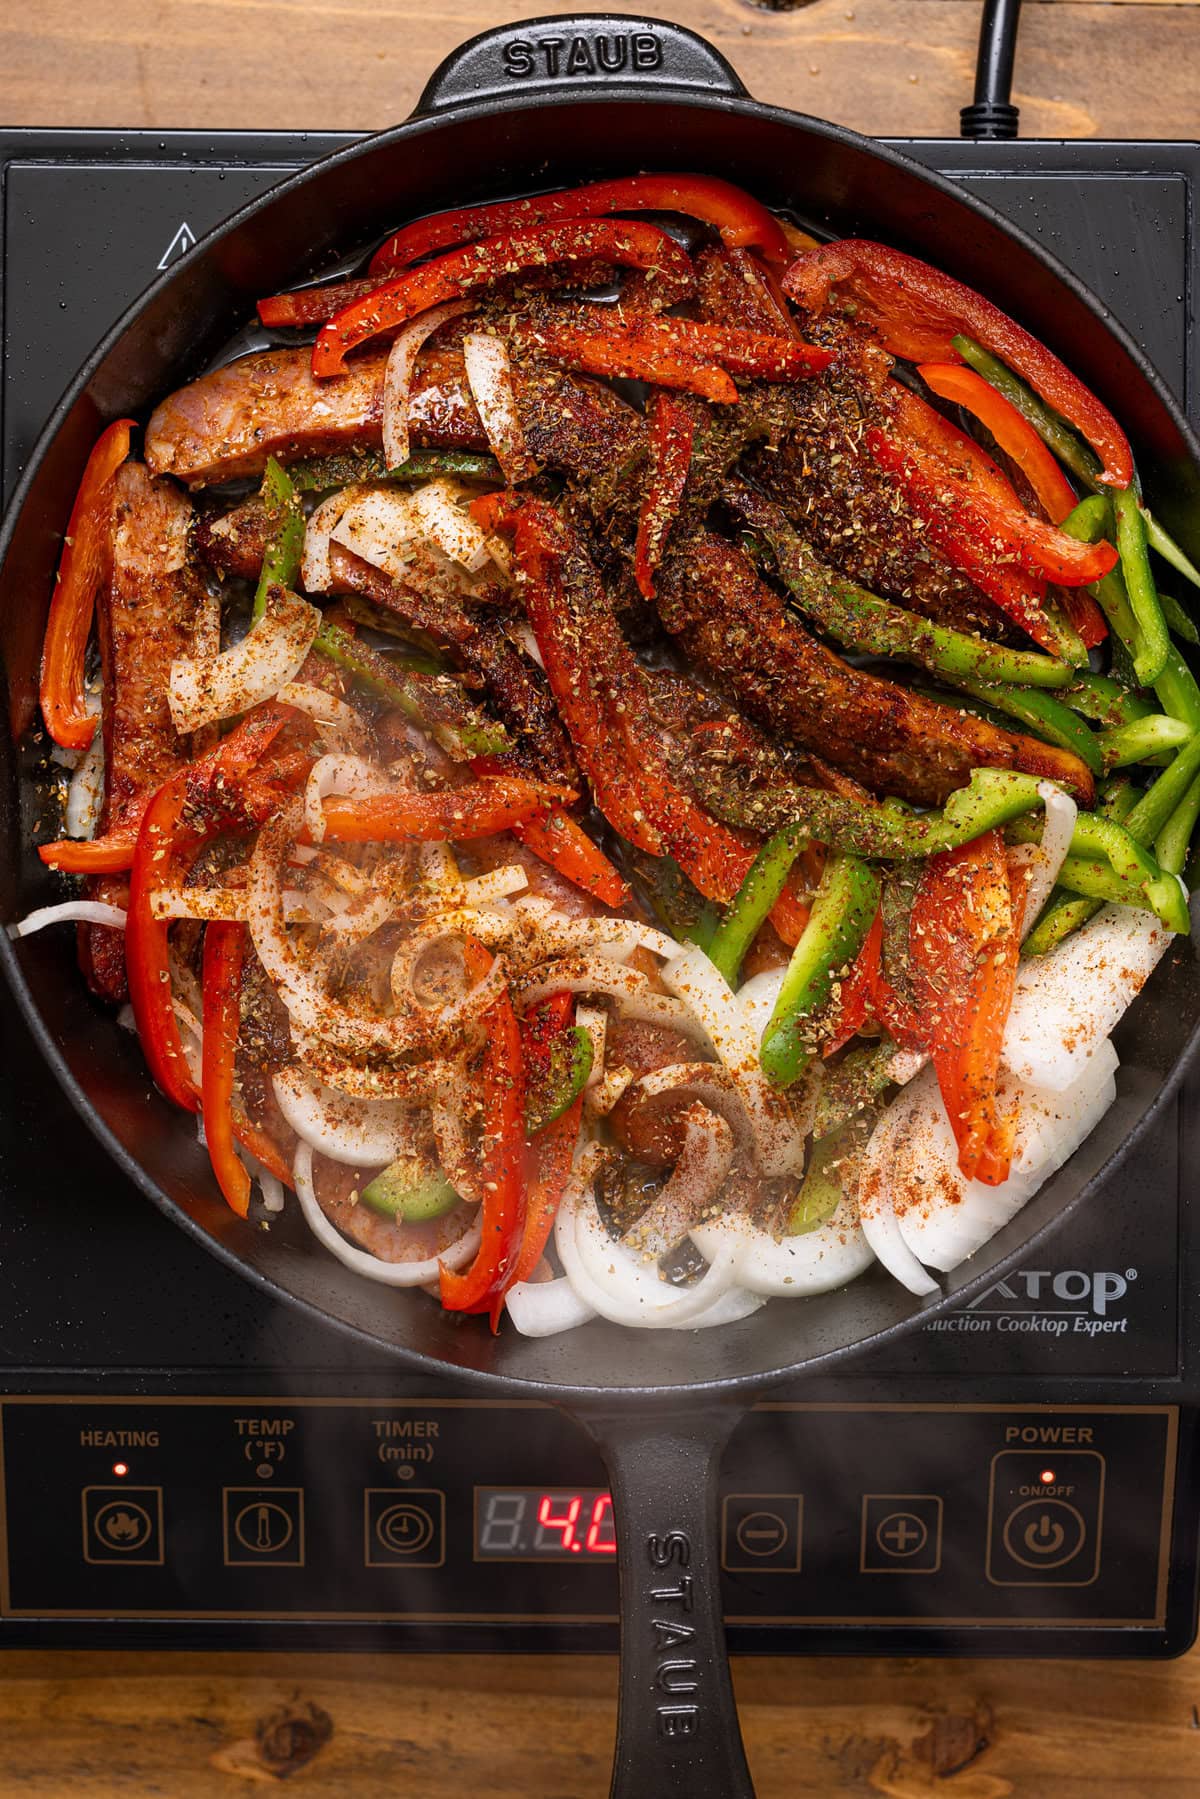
540,1524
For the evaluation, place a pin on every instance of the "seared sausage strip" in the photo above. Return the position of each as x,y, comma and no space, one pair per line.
145,620
892,740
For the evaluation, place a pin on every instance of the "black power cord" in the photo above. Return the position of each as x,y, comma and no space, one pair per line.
992,114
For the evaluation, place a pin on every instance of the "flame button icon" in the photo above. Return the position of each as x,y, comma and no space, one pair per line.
122,1524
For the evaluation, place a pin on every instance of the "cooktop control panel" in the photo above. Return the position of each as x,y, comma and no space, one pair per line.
440,1512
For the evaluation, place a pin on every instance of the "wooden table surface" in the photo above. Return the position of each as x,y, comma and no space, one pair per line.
198,1726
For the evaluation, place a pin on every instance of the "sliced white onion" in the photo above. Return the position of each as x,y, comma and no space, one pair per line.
337,773
942,1217
1047,857
779,1136
617,1283
332,714
270,655
69,912
206,632
85,794
1068,1001
363,1133
695,1181
544,1308
315,571
595,974
757,999
379,525
398,377
314,1012
416,1083
496,884
437,507
601,1099
391,1274
447,1117
881,1229
271,1187
489,376
817,1261
619,936
224,903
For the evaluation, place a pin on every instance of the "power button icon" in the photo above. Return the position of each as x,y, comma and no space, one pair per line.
1044,1533
1045,1517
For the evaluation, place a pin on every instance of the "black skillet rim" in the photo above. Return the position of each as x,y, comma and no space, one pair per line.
419,125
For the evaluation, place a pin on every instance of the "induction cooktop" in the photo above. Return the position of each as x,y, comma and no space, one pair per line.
188,1463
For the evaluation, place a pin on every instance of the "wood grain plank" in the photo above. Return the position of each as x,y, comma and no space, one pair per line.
541,1728
888,66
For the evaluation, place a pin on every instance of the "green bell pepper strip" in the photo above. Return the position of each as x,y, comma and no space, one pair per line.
1107,701
870,626
434,701
1144,738
1089,522
844,908
1153,637
1044,715
1177,690
1053,430
822,1191
320,473
567,1070
851,1084
764,882
1065,913
1179,621
1161,540
285,544
408,1193
678,906
1106,861
1171,844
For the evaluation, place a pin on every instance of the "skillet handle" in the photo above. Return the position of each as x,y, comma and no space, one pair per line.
677,1724
585,50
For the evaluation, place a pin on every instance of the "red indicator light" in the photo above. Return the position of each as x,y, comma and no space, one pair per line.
1046,1476
120,1469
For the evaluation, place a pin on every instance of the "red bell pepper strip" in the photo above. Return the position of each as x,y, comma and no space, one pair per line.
856,991
627,350
224,947
955,382
552,1149
741,220
163,841
90,856
628,244
672,434
986,500
573,682
566,847
263,1150
503,1158
692,354
915,311
193,804
313,305
961,540
84,564
964,946
493,804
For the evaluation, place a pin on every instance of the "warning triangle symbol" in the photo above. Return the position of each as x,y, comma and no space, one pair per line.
180,244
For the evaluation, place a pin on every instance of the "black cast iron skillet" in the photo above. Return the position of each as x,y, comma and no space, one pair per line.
530,106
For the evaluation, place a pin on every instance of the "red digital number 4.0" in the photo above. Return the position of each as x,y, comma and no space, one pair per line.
599,1537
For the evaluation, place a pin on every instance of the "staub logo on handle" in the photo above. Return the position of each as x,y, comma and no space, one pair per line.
605,53
676,1672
